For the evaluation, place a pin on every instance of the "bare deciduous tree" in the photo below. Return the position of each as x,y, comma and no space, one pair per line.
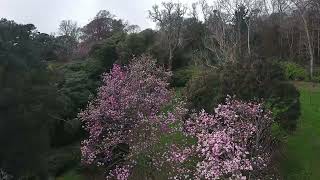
170,20
279,6
302,7
224,21
218,26
69,28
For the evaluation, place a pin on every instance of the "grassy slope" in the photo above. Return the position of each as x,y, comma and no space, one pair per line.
303,149
72,175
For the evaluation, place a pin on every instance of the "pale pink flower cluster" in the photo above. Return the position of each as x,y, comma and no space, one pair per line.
229,143
120,173
233,143
178,155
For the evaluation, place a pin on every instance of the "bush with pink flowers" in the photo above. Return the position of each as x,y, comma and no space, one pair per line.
129,111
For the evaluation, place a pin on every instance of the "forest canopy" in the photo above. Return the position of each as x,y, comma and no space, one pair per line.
210,92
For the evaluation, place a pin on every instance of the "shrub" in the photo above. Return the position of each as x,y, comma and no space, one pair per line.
78,83
181,76
294,71
316,75
285,105
248,80
203,91
225,144
63,159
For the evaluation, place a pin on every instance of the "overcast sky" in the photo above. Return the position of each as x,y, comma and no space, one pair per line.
47,14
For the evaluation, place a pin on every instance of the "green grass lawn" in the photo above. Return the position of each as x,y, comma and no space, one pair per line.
72,175
302,161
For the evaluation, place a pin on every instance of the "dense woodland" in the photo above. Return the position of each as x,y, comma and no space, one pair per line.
209,93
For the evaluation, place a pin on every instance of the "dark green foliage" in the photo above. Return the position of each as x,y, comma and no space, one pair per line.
64,159
28,98
316,75
79,81
247,80
132,45
158,51
182,59
135,44
203,91
106,52
182,76
294,71
47,46
285,105
122,47
148,36
193,32
250,78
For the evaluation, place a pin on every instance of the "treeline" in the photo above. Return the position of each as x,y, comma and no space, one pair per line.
46,80
206,33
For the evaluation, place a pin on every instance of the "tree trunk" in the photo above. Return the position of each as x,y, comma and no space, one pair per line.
303,14
291,45
319,45
249,49
170,59
281,52
239,39
300,43
309,41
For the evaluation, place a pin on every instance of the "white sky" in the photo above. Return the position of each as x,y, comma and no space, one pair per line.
47,14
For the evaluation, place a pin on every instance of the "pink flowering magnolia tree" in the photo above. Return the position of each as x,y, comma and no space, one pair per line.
126,113
233,143
129,118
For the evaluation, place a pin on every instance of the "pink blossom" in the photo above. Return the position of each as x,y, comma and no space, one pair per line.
120,173
128,98
229,144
